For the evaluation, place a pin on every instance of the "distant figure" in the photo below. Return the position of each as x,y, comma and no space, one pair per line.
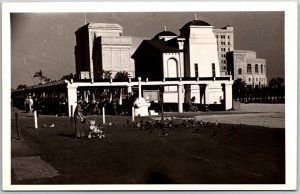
191,106
28,103
79,119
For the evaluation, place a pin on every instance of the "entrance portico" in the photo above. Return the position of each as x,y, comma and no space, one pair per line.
224,82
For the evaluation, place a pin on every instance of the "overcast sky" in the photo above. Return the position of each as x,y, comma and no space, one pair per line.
45,41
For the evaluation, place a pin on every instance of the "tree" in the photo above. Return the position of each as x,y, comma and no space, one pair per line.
21,86
239,86
67,77
276,82
103,74
122,75
41,76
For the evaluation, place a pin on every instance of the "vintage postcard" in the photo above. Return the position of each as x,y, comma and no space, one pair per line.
149,96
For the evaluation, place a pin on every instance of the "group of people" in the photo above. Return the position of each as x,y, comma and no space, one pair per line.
28,104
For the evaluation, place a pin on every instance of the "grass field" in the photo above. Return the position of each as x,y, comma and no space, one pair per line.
239,154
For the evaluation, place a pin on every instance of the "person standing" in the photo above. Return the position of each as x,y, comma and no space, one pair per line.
26,104
30,103
79,119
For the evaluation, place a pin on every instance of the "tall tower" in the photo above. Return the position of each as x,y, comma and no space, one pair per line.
201,60
225,41
102,46
201,56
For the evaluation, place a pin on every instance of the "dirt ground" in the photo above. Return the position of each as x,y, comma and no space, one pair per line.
233,153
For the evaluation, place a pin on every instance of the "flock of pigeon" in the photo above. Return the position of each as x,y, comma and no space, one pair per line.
167,124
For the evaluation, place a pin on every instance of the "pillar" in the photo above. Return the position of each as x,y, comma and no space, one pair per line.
228,96
72,98
129,89
180,98
140,88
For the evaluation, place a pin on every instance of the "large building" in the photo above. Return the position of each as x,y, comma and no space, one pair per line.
194,54
225,42
102,46
245,65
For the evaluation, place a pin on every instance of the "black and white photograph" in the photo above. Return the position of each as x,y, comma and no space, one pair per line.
124,96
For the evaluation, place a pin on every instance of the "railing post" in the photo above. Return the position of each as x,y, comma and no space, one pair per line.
17,125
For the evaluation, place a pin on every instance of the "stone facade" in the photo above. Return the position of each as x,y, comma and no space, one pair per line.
102,46
246,66
193,54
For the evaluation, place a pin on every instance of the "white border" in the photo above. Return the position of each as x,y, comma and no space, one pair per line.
291,27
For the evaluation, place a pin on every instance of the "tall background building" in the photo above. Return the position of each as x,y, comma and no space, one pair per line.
225,42
102,46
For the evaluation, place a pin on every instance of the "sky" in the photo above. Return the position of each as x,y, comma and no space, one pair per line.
45,41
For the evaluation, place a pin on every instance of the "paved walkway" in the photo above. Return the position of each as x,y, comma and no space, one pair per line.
26,162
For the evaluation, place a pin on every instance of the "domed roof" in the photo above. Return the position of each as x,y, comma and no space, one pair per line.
164,33
196,23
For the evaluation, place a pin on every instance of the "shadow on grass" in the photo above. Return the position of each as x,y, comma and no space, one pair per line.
67,135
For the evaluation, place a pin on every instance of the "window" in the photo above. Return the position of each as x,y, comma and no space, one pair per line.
172,68
256,80
256,69
249,79
262,69
228,43
249,69
213,70
196,70
240,71
216,36
228,49
228,37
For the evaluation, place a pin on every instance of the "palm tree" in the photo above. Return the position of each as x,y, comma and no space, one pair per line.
67,77
41,76
122,75
239,86
103,74
276,82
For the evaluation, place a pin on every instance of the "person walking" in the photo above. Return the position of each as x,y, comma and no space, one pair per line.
26,104
79,119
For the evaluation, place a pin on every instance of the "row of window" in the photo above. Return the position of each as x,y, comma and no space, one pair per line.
222,36
224,43
223,61
249,69
224,49
256,79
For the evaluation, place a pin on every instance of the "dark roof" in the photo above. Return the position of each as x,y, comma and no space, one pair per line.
195,23
225,27
160,45
164,33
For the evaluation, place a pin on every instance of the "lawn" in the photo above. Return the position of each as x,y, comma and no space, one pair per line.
129,155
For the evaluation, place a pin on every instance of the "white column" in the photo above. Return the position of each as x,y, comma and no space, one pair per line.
140,88
228,96
180,98
72,98
103,115
129,89
35,120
